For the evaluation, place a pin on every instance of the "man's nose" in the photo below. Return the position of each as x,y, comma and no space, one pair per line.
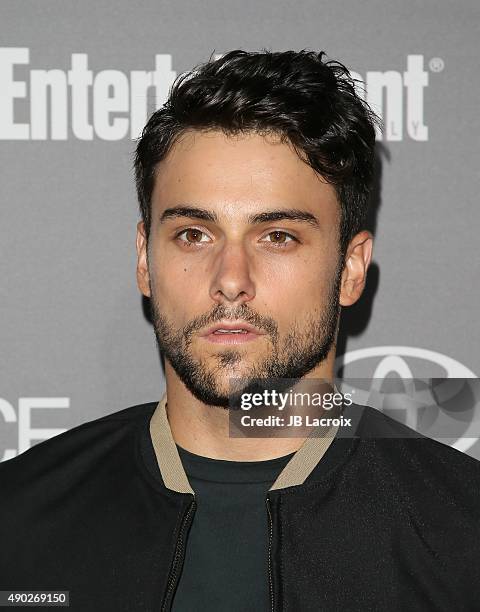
232,279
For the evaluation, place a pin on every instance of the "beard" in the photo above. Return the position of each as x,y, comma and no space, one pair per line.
304,347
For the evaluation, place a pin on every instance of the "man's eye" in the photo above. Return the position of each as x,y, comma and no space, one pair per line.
280,238
192,236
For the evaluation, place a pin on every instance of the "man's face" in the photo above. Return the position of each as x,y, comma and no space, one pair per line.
243,262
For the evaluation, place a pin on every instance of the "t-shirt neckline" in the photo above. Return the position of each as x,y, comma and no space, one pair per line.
226,471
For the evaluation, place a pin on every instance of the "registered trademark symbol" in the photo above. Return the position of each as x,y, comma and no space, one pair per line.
436,64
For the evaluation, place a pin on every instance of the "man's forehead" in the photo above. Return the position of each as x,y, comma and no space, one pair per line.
245,174
216,149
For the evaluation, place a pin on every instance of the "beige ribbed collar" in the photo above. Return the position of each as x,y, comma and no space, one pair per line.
294,473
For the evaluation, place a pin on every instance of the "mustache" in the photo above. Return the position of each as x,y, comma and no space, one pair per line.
221,313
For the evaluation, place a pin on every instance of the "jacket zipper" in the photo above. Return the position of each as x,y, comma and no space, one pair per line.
270,538
177,558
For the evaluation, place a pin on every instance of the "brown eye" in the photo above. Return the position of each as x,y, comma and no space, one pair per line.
280,237
193,236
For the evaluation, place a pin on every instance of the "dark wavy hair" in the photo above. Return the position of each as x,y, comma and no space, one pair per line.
305,99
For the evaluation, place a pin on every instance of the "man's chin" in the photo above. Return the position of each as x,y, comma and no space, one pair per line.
221,391
230,385
226,365
209,395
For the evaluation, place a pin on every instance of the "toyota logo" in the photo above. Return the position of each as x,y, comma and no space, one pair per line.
402,362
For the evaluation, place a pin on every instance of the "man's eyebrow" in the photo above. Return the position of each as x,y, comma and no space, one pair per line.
193,212
290,214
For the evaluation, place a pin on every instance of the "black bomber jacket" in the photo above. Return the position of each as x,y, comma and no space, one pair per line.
383,521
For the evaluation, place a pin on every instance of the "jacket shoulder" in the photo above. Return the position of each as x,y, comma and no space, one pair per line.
424,468
72,451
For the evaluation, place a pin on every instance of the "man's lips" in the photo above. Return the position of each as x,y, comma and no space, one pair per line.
231,333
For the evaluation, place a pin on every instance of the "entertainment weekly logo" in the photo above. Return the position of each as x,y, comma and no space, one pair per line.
80,103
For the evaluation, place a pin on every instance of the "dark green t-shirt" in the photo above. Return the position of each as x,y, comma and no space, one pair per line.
225,564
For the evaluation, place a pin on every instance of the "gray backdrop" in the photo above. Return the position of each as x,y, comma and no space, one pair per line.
75,344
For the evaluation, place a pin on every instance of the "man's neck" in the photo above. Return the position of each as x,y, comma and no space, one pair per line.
204,430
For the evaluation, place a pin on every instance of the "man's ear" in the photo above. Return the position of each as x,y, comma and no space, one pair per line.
357,260
143,278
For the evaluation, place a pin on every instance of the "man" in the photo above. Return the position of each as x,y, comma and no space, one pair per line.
253,182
